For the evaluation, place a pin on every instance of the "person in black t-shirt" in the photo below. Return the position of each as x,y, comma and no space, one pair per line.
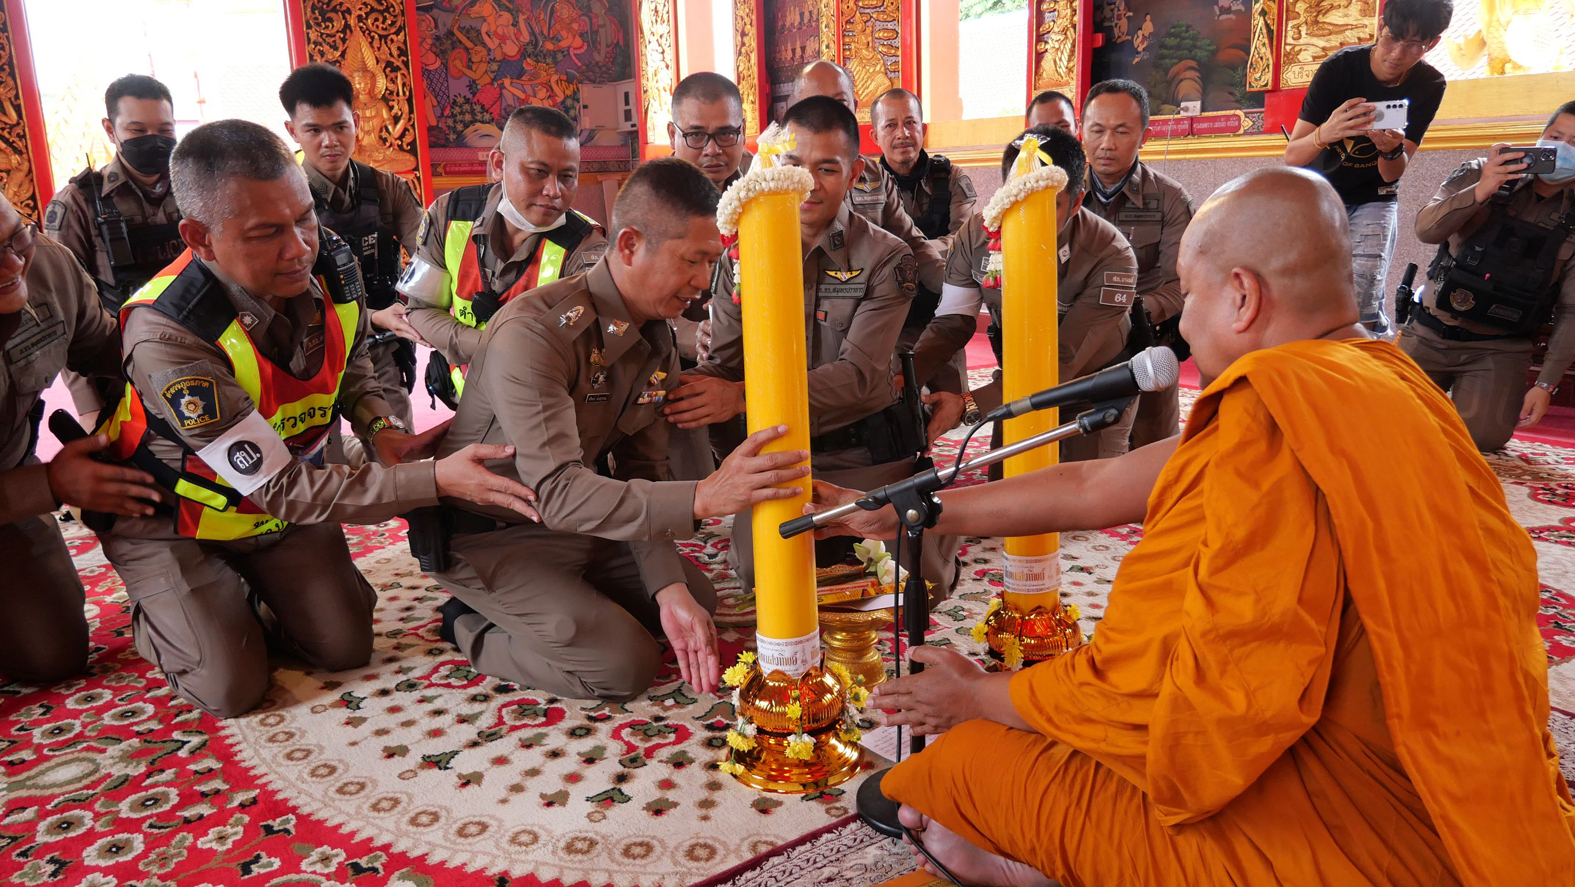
1334,135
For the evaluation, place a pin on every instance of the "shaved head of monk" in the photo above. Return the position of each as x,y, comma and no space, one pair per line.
828,79
1266,261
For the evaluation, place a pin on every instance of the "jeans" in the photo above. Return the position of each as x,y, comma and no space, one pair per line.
1373,230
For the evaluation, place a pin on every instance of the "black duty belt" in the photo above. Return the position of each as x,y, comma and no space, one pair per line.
1455,333
465,522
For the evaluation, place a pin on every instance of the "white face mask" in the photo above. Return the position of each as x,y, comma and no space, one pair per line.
517,218
1565,170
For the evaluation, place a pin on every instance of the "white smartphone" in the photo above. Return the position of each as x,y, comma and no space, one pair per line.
1391,115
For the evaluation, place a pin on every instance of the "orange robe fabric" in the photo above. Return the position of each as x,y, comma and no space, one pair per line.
1320,666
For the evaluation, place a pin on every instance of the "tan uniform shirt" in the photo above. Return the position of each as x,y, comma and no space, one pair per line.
959,190
70,216
858,283
501,266
1097,276
398,209
1454,214
1152,211
159,351
62,326
874,196
569,380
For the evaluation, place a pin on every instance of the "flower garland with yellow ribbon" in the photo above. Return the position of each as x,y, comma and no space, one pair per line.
766,176
1032,172
800,745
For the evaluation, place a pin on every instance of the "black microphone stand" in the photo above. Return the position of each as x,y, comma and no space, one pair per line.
918,508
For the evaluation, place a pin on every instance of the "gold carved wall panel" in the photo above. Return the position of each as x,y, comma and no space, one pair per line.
871,48
1055,44
370,41
746,53
16,158
1260,55
1315,29
657,57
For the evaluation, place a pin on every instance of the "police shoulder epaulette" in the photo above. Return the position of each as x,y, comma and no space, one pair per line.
467,203
581,223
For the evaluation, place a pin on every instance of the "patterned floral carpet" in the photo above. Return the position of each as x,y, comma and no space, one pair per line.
417,771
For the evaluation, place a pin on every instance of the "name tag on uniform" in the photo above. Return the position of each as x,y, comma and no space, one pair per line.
40,328
840,291
1112,296
597,397
1139,216
1120,279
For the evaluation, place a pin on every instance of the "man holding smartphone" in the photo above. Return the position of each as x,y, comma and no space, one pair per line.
1339,134
1505,265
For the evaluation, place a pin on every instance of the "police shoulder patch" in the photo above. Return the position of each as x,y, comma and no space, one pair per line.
426,226
193,401
54,216
907,274
966,184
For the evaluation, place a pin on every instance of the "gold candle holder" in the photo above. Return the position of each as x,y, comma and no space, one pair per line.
785,714
852,639
1018,638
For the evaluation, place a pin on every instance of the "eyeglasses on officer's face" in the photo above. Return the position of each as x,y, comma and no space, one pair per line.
22,242
1409,47
697,139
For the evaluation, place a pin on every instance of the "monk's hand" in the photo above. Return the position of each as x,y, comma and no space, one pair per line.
692,634
937,699
703,400
881,523
1534,406
748,477
464,475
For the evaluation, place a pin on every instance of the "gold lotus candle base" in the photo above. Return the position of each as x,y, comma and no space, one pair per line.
852,639
770,703
1040,634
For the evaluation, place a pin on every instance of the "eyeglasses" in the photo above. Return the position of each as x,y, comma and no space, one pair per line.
22,242
1409,47
697,139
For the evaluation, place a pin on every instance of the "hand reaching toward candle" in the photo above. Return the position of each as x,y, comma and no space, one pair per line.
746,477
881,523
703,400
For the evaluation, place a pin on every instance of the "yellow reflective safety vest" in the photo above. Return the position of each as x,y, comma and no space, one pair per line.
301,411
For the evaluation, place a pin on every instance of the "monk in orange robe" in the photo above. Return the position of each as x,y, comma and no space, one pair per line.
1320,666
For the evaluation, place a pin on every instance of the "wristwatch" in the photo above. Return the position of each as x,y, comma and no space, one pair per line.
382,422
1395,154
1550,389
971,414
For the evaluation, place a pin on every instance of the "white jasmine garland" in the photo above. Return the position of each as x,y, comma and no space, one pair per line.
1017,189
759,182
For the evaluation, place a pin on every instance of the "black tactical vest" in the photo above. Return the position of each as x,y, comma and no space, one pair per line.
362,227
1504,273
137,250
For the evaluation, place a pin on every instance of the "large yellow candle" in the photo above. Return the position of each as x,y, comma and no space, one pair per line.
776,382
1029,363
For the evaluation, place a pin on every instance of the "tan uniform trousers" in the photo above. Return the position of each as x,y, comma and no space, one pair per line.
194,609
1158,416
44,636
563,613
939,559
1486,380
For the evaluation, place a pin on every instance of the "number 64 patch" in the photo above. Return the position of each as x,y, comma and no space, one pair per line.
1116,297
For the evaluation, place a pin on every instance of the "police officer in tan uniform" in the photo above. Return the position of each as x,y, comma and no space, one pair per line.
50,319
939,197
707,130
483,245
120,220
1505,266
873,195
1051,108
575,377
373,210
1152,211
858,284
1097,280
240,356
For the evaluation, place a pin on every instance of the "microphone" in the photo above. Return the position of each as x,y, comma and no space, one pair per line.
1153,369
